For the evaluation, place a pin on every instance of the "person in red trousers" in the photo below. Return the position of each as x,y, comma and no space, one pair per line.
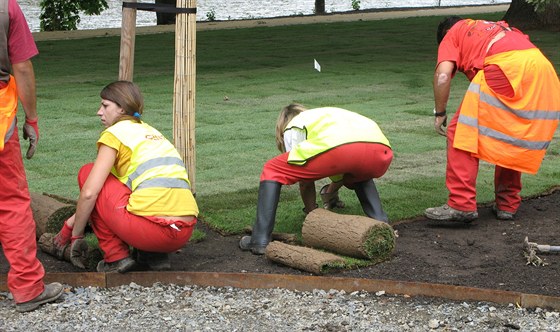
136,193
345,146
17,227
508,115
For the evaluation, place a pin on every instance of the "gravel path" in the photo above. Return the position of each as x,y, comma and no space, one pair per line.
192,308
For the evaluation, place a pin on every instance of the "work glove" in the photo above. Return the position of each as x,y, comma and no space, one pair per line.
79,252
31,132
440,121
62,240
330,200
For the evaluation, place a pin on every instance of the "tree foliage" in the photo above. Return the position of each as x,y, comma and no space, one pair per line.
65,14
540,5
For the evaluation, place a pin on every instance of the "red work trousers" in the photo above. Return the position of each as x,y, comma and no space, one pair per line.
357,162
461,174
117,229
17,227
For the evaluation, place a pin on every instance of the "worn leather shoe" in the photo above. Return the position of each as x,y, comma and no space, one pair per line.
121,266
501,214
447,213
51,293
246,245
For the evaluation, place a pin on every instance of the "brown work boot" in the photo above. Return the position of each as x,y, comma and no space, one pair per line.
51,293
501,214
121,266
447,213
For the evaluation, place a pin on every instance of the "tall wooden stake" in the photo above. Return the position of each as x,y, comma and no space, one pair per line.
128,36
184,90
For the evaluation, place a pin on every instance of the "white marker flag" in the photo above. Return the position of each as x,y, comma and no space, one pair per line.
317,65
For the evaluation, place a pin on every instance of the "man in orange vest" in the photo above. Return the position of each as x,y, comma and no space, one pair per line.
508,115
17,227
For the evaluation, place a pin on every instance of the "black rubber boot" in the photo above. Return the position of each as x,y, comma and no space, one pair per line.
156,261
370,201
269,194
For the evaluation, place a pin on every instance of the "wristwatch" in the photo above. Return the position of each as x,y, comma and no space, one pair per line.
440,113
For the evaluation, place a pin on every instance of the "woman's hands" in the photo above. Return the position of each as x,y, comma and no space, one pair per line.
78,246
79,252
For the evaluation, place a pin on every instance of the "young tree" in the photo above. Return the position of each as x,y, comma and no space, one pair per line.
64,14
534,14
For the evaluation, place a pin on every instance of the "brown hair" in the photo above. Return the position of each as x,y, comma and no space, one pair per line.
127,96
286,115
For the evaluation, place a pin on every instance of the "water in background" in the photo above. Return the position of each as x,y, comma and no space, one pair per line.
223,10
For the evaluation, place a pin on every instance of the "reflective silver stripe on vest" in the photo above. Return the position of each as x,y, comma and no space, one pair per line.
530,115
10,130
152,163
164,183
485,131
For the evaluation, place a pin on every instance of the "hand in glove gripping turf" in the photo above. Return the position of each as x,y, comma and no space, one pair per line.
79,252
31,132
62,240
330,200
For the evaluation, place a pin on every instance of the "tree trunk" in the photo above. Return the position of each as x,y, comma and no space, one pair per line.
523,16
349,235
319,7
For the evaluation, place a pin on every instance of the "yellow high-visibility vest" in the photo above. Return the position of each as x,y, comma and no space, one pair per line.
329,127
154,162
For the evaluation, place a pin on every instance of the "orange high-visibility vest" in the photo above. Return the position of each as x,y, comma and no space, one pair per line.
8,108
511,132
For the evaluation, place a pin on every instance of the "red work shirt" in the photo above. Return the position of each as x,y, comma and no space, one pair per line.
21,45
467,41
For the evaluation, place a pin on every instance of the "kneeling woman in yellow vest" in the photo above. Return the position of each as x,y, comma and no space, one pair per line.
136,193
318,143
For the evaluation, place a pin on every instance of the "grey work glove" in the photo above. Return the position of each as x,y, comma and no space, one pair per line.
31,132
79,252
440,121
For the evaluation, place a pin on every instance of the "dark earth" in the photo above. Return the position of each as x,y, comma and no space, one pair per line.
485,254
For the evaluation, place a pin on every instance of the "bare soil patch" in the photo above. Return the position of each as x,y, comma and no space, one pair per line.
486,254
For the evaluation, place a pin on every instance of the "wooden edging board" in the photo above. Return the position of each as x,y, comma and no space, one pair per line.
302,283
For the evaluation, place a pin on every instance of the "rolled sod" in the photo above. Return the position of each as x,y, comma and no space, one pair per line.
50,213
349,235
94,254
303,258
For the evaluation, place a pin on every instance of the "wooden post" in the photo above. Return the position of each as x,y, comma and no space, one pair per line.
184,90
128,36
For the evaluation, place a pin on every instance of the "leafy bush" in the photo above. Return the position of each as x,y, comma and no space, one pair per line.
64,14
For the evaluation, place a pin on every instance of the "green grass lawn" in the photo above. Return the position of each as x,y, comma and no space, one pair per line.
381,69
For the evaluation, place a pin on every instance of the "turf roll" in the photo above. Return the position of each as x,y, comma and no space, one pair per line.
50,213
302,258
348,235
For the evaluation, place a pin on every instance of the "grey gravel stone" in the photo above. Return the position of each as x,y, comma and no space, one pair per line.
164,307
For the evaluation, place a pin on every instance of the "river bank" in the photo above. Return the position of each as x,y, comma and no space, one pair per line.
280,21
